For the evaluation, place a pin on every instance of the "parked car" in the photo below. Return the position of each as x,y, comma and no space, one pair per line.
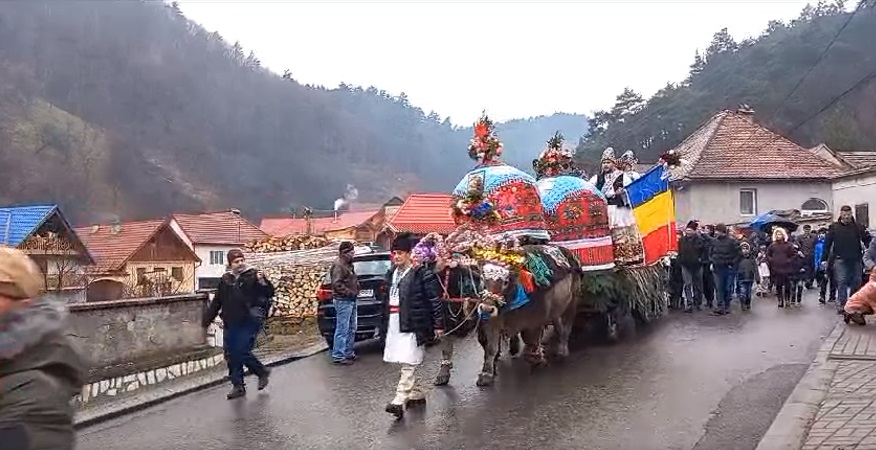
371,266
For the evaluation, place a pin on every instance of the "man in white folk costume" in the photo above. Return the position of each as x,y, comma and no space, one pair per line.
624,232
415,318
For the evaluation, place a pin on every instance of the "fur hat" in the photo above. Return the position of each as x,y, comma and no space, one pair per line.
233,254
403,242
20,278
345,247
693,225
608,155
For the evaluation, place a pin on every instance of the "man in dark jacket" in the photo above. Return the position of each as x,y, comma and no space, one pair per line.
691,250
725,256
40,371
414,317
806,242
345,290
708,235
845,242
242,301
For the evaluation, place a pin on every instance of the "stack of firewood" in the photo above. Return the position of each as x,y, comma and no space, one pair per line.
296,274
287,244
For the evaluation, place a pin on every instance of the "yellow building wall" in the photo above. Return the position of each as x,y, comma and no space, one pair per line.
129,277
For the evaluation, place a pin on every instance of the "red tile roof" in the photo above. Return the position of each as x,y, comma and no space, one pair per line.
859,159
286,226
731,146
424,213
111,251
220,228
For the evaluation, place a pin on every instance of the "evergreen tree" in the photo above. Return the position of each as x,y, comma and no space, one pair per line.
698,64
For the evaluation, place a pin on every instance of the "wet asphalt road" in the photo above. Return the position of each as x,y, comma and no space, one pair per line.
689,382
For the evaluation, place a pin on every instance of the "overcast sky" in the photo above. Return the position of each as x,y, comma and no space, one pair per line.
514,59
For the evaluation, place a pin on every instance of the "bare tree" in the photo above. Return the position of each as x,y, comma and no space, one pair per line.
60,262
160,283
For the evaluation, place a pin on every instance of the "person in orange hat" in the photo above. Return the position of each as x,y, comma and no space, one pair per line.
40,370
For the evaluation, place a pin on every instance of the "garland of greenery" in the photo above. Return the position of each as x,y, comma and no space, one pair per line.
638,289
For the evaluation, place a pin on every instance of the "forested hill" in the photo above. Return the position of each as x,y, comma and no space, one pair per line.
762,72
127,108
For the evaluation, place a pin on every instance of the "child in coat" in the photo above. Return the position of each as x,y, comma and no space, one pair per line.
763,271
798,278
746,276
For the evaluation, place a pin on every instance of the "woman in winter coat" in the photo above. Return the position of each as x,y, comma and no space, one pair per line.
780,257
40,371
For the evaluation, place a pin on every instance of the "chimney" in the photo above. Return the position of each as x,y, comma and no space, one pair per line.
234,211
746,112
335,220
116,229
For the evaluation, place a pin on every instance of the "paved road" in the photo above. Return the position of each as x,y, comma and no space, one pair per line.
691,382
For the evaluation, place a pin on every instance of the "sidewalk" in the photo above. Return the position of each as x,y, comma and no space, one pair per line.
834,406
280,350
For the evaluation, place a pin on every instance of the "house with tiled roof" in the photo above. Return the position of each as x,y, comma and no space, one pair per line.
359,226
211,235
138,259
735,169
44,234
855,188
420,214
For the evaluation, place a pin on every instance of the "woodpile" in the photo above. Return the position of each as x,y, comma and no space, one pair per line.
287,244
296,274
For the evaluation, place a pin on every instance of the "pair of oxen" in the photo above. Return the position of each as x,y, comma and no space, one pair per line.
483,295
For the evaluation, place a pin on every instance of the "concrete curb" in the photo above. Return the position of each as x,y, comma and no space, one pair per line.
791,425
92,416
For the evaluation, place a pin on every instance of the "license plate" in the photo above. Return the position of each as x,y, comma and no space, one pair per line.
366,293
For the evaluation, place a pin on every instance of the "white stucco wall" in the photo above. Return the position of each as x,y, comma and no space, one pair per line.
712,202
207,270
855,191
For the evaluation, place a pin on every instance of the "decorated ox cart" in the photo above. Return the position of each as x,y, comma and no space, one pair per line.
538,252
615,294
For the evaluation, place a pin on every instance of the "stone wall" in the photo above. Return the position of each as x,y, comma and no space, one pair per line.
130,331
107,389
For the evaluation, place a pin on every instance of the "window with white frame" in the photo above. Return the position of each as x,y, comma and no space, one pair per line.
814,205
748,202
217,258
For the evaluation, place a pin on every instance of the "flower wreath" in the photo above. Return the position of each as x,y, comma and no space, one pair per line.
555,160
485,147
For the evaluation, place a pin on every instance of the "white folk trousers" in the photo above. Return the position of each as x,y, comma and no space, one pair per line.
408,386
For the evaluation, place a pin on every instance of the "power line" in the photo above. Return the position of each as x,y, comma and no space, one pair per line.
817,61
805,75
830,104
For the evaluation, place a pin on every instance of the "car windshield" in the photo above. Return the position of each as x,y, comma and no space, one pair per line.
371,267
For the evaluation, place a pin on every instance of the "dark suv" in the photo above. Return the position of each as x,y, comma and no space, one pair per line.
371,266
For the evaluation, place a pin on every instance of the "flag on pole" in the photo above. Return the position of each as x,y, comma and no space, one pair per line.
654,210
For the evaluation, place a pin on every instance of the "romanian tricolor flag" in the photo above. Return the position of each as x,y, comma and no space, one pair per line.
654,209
